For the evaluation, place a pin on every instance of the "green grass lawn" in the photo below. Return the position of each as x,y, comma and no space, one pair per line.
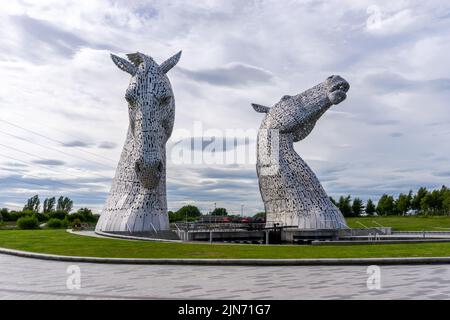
398,223
62,243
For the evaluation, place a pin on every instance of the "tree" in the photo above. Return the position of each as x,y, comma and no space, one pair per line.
403,203
261,214
386,205
64,204
432,202
173,217
49,204
189,211
446,203
86,215
357,207
370,207
5,214
417,199
32,204
219,212
344,205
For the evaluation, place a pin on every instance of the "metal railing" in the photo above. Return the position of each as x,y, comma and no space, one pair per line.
196,226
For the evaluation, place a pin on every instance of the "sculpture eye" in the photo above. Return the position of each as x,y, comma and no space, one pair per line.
165,100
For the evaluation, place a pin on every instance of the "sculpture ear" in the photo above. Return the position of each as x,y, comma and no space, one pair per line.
170,63
259,108
124,65
136,58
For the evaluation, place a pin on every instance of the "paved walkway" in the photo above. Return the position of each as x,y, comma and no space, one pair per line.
23,278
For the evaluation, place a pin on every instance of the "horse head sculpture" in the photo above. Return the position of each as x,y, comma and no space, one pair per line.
291,192
137,200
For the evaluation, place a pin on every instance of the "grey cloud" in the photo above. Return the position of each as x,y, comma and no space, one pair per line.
107,145
50,162
230,185
438,123
396,134
327,171
381,122
69,185
38,36
225,191
84,191
234,74
392,82
76,143
16,164
223,173
442,174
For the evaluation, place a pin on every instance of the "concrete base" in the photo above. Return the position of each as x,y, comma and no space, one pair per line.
221,235
127,236
278,235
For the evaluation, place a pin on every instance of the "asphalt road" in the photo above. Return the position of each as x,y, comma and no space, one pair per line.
23,278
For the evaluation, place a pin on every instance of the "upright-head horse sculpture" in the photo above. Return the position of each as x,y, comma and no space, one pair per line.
137,200
291,192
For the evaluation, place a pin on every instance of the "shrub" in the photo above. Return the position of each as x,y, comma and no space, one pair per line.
55,223
28,222
5,214
75,216
86,215
27,212
16,215
42,217
58,214
76,224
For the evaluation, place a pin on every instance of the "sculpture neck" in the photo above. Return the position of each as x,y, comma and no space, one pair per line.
271,142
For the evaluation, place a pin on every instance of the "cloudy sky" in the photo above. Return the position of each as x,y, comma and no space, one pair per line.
63,118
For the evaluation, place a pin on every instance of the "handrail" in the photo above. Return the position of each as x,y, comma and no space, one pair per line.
379,224
345,226
153,227
365,227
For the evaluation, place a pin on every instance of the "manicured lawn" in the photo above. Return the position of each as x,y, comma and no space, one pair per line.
398,223
62,243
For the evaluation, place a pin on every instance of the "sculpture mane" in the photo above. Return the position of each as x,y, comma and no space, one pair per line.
291,192
137,200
